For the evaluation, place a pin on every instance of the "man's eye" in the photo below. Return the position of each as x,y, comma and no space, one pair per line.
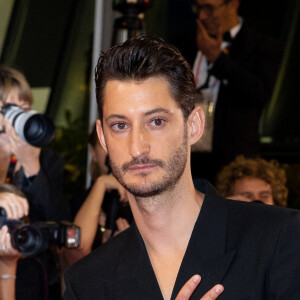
157,122
119,126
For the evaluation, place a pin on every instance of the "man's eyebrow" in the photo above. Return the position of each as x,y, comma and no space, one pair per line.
157,110
115,116
148,113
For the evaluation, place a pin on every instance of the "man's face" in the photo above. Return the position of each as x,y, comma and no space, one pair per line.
145,134
215,14
254,189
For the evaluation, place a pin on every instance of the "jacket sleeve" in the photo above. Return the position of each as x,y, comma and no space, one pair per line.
284,277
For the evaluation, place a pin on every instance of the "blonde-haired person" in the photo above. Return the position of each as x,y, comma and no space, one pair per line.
15,88
38,172
253,179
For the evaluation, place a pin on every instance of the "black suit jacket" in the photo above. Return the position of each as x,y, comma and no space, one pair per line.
247,74
252,249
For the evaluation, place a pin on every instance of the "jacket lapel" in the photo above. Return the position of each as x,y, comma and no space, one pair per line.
206,253
135,277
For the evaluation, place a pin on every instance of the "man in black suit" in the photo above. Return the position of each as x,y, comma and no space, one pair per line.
235,70
147,123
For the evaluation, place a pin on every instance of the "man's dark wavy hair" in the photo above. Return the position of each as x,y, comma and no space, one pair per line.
142,57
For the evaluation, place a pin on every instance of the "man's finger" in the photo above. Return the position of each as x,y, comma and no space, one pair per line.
214,293
202,29
189,287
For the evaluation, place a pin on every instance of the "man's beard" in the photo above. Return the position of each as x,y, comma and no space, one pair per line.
174,169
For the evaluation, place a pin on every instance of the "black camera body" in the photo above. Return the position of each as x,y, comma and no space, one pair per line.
34,238
132,6
114,209
129,24
33,128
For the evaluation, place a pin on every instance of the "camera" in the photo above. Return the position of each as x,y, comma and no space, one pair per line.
131,6
34,238
130,24
33,128
114,209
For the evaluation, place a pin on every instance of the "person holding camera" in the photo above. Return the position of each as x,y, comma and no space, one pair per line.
15,205
37,171
24,247
8,266
93,209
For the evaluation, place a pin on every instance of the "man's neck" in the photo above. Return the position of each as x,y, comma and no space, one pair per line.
167,220
165,223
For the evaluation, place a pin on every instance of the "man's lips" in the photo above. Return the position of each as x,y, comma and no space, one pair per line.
141,167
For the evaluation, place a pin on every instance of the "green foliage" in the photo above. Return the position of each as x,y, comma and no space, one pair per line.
71,141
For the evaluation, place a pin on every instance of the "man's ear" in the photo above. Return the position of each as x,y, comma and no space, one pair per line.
101,134
196,123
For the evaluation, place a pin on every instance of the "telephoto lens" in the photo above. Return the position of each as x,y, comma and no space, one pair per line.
33,128
34,238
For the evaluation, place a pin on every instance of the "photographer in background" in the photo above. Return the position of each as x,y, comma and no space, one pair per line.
92,207
16,206
38,172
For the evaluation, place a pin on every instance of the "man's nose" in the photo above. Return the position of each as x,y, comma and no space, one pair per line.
139,143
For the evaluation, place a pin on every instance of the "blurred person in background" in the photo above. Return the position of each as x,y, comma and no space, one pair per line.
235,71
15,205
92,207
38,172
253,179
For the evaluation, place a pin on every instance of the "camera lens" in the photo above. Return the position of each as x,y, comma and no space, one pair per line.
39,130
29,240
34,128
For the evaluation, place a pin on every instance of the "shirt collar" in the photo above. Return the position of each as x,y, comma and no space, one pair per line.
235,30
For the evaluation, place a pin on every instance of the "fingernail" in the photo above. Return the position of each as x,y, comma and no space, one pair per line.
196,278
219,289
